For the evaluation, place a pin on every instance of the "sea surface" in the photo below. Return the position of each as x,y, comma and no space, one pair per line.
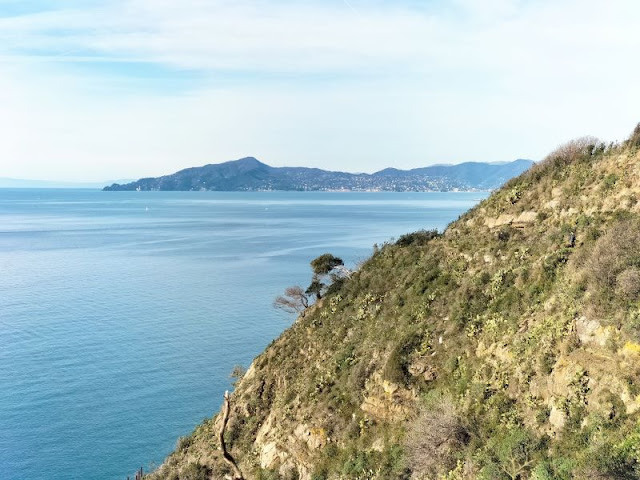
123,313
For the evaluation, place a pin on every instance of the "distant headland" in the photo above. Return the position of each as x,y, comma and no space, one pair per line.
249,174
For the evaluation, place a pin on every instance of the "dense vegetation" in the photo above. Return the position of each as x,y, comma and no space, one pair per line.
507,347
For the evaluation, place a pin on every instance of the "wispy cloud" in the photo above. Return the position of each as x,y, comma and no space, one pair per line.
242,36
134,87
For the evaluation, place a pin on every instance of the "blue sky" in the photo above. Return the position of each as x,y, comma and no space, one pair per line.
95,90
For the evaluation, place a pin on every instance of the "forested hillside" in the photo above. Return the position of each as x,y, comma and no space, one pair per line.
507,347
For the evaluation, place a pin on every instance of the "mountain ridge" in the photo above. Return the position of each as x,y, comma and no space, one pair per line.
250,174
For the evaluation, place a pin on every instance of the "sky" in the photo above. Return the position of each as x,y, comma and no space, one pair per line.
95,90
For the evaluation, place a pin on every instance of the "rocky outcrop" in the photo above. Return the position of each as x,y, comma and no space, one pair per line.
386,401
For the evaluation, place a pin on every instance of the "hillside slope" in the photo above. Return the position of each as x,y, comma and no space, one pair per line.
249,174
506,348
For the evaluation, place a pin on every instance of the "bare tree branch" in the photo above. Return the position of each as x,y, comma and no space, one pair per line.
294,300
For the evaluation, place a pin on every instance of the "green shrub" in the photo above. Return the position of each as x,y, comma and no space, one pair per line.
184,443
610,181
195,471
554,260
504,233
396,366
417,239
514,451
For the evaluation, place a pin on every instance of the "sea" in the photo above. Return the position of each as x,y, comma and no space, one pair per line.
122,314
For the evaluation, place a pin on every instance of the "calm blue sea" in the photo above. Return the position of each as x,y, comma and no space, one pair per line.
122,313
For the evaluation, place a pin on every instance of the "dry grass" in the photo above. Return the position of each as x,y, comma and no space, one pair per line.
437,434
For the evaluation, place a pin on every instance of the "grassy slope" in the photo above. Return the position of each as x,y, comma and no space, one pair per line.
492,351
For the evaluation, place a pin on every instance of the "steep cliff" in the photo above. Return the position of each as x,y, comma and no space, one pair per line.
507,347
